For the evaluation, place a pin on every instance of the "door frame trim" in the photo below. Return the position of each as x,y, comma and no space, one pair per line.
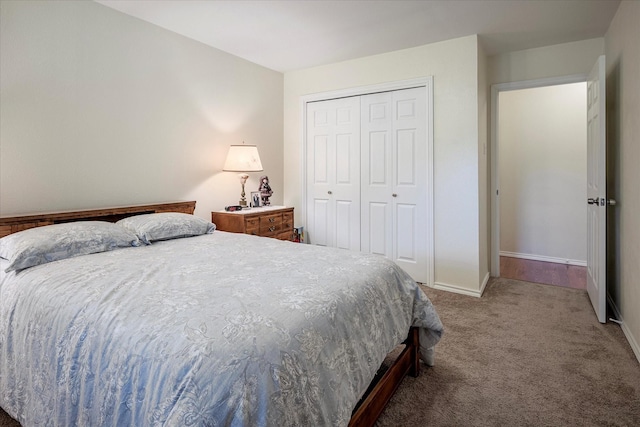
421,82
495,157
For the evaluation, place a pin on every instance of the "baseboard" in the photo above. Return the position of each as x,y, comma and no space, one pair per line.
484,283
625,329
544,258
456,289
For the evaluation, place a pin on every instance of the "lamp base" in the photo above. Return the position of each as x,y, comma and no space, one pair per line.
243,180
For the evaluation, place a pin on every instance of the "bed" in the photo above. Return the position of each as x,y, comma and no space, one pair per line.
202,328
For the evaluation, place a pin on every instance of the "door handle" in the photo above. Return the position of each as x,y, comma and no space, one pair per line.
595,201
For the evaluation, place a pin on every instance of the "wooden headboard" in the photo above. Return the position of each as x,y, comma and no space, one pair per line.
13,224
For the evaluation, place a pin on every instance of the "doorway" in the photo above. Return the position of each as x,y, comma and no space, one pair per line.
539,150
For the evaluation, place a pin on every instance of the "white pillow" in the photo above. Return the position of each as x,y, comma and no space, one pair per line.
41,245
167,225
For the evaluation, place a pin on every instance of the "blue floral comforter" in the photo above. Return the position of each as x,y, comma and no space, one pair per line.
220,329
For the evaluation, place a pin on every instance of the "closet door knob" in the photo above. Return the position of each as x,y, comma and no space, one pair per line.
394,195
329,192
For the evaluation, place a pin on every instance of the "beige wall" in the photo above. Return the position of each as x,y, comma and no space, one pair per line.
550,61
623,151
453,64
100,108
484,218
543,172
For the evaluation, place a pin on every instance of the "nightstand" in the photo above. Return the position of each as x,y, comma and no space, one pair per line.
268,221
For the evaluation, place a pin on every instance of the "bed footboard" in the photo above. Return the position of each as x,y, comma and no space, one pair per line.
408,362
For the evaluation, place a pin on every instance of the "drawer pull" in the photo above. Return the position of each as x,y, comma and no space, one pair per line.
272,220
272,228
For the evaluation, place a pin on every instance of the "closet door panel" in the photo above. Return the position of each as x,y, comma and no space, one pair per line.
378,149
379,238
377,174
320,163
406,231
410,181
346,179
406,158
333,172
344,224
320,222
343,160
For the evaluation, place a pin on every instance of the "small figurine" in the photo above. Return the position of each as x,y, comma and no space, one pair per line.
265,190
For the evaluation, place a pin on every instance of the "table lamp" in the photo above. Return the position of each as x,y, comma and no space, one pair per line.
243,158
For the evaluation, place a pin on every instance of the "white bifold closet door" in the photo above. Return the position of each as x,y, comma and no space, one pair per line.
394,178
366,176
333,173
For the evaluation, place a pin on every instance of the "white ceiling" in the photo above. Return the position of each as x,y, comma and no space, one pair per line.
289,35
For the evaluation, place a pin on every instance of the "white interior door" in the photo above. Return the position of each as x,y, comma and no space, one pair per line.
333,173
394,178
596,190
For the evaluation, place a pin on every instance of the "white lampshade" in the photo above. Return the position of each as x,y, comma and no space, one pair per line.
243,158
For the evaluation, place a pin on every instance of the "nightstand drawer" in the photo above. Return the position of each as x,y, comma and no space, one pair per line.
287,221
252,225
270,224
255,231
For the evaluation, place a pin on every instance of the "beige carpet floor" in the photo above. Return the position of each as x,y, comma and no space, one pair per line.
522,355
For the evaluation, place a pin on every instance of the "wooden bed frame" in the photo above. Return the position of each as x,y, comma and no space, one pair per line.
379,393
14,224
